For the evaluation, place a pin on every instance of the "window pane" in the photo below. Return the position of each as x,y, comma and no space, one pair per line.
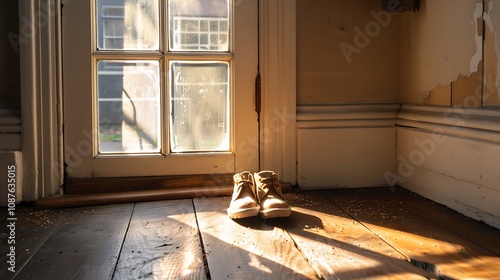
190,19
199,106
127,24
129,106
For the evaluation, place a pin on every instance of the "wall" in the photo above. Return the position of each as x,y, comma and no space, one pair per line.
448,140
10,93
10,97
10,104
348,65
347,52
441,51
443,142
491,78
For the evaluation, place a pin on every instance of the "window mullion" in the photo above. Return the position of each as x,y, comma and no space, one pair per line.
200,56
128,55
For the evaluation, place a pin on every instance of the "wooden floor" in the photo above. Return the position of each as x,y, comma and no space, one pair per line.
376,233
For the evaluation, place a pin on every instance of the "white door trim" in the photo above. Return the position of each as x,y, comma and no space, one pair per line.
278,72
39,46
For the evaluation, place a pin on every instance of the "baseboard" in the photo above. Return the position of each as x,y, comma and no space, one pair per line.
345,146
457,205
452,156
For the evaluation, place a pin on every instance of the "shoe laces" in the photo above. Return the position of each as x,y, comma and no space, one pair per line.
271,186
242,184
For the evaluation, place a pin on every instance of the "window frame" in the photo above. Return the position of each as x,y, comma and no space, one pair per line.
164,55
79,133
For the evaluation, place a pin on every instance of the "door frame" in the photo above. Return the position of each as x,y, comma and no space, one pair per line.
278,70
41,93
41,109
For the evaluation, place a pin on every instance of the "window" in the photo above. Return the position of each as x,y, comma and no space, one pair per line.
147,87
165,88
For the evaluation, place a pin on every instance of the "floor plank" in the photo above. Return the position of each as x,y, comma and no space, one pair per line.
339,234
341,248
33,227
85,246
432,245
162,242
247,248
472,230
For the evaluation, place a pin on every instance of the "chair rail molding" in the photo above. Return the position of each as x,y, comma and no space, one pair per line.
471,123
41,111
347,115
278,71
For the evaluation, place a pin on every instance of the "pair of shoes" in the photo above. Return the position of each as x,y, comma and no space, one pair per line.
258,193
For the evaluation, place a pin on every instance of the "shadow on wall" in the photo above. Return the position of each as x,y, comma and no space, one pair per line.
10,97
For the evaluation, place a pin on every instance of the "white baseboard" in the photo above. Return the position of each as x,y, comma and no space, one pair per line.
436,187
452,156
345,146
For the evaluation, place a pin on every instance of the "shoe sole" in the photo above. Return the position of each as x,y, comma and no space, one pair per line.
243,213
275,213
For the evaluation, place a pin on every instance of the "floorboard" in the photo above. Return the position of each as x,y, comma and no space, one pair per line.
373,233
33,228
417,234
247,248
85,246
341,248
470,229
162,242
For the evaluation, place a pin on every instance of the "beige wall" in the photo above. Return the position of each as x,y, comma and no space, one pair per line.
348,55
347,52
10,97
441,54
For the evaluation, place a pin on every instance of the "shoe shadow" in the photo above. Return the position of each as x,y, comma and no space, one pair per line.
281,222
296,220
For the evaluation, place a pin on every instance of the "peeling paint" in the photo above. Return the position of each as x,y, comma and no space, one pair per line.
439,96
437,50
467,90
487,17
478,56
492,58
